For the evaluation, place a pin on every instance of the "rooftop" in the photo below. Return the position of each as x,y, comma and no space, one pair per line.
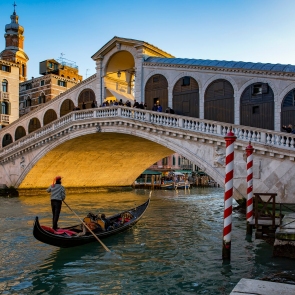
223,64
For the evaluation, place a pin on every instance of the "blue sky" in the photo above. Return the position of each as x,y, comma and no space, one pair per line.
239,30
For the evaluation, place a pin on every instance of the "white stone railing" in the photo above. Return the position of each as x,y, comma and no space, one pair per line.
281,140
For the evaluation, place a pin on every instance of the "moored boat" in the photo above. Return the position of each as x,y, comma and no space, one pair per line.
74,235
182,185
167,185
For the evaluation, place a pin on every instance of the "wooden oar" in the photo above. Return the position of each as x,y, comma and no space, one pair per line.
105,247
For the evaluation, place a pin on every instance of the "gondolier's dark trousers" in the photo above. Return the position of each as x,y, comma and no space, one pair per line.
56,207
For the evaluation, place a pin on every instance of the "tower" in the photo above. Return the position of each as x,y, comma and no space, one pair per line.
14,48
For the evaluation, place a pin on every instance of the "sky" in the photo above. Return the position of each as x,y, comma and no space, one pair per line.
238,30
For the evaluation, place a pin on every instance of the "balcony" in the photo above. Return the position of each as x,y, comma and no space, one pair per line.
4,95
4,119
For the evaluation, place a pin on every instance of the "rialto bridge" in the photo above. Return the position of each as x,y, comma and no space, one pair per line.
111,146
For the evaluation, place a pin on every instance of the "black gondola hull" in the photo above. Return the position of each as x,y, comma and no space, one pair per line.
64,241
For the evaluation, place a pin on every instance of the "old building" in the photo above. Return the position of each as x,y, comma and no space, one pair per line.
57,77
9,91
14,47
13,69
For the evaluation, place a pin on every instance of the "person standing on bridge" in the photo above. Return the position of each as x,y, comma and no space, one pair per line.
58,194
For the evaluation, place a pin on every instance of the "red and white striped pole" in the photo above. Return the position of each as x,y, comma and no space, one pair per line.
228,194
249,215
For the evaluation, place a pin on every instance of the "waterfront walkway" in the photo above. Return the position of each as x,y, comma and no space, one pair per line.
248,286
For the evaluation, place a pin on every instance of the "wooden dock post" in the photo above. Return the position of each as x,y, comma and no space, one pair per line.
153,182
228,194
249,215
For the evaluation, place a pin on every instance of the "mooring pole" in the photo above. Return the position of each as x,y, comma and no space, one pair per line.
249,215
228,194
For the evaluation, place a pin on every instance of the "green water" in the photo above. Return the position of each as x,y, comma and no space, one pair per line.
174,249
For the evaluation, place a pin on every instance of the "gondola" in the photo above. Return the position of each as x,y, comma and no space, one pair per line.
73,236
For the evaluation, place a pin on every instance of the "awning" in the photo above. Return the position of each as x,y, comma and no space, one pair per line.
121,95
151,172
184,171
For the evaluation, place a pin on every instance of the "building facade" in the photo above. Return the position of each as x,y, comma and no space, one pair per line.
14,46
57,78
9,92
259,95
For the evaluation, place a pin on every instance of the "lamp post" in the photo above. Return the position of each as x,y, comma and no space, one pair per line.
119,73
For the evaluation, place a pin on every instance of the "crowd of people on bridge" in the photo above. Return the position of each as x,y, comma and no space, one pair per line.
156,107
289,128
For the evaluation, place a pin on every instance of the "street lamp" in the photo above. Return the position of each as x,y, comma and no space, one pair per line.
119,73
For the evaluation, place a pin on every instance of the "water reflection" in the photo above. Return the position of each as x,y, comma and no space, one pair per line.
174,249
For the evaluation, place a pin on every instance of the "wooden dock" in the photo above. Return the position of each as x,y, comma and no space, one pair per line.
284,244
257,287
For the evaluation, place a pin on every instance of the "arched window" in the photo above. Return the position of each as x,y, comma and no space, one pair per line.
186,97
34,125
288,109
156,92
257,106
4,86
87,96
28,102
4,108
20,132
7,139
49,116
219,101
66,107
41,98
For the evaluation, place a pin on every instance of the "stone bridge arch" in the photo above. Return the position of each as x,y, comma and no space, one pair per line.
105,158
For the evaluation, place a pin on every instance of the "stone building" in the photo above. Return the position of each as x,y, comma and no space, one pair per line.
56,78
13,69
9,92
14,47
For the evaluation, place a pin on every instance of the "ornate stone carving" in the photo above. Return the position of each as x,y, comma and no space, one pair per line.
22,162
219,157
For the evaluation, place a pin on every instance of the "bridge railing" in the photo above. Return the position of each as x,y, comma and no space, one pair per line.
281,140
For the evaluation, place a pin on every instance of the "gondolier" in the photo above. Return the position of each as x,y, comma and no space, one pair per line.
58,194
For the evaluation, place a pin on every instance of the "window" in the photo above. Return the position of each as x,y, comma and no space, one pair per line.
28,86
61,83
50,65
28,102
5,68
257,89
41,98
165,161
4,86
56,66
4,108
255,110
186,81
173,160
42,83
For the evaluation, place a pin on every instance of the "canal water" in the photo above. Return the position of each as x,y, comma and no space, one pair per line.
174,249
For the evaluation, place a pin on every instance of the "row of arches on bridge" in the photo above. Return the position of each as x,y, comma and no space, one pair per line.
256,101
87,96
256,104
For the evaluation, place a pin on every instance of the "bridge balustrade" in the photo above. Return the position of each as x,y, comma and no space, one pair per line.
270,138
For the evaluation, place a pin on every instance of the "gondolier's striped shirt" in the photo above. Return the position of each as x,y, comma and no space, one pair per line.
57,192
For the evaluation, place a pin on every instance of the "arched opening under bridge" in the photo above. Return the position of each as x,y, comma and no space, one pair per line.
96,160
